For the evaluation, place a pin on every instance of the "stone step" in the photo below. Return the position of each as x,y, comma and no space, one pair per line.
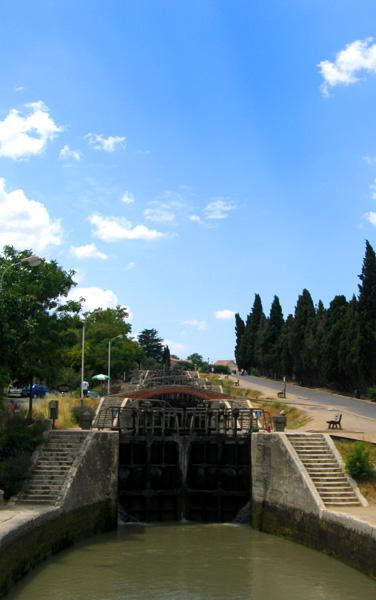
345,503
49,468
339,496
334,487
35,498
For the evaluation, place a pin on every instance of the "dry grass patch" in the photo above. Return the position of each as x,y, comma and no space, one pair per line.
66,404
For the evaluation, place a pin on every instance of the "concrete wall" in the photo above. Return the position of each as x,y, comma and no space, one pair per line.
285,502
28,535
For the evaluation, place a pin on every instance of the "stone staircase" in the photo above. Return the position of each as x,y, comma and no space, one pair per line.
325,471
103,416
54,461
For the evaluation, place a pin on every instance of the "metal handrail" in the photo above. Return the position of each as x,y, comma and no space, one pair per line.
196,420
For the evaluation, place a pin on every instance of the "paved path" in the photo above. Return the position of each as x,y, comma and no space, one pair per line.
363,408
359,416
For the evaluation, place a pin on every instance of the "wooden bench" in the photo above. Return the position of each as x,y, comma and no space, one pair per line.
335,423
237,383
282,394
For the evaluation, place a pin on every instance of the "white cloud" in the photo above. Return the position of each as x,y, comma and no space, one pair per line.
113,229
371,217
159,215
66,153
175,347
131,265
108,144
196,219
218,209
25,223
87,251
27,135
356,57
224,314
95,297
201,325
127,198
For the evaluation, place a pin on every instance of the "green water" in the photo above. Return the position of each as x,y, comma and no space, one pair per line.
192,562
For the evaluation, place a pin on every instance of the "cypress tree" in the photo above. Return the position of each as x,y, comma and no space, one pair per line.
302,337
272,342
239,332
367,318
252,326
334,330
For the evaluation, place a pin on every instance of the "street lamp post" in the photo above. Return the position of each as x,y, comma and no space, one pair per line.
82,364
109,362
32,261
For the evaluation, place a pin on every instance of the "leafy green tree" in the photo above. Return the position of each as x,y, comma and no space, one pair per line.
34,318
151,345
101,326
196,360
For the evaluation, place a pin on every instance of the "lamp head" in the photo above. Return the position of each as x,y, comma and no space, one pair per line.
32,260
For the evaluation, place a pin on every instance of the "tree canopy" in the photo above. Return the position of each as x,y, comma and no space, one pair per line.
334,346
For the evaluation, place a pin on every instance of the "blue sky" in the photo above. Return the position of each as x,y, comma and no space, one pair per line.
182,156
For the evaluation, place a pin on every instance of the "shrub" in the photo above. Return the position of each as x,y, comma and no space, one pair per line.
358,462
371,393
255,372
17,443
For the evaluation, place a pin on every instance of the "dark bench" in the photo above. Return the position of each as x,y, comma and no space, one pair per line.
335,423
282,394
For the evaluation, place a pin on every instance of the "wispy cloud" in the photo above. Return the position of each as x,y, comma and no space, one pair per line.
370,160
25,223
23,135
200,325
87,251
107,144
159,215
373,189
127,198
131,265
114,229
219,209
356,58
67,153
224,314
370,217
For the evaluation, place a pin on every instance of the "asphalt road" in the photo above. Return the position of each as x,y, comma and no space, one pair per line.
363,408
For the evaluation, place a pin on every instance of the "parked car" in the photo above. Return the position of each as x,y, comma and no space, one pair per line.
14,392
38,389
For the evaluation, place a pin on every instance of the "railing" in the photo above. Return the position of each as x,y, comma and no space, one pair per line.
167,421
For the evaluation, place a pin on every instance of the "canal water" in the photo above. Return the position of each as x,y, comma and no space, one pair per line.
192,562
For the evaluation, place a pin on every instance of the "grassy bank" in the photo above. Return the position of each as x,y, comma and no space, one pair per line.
367,486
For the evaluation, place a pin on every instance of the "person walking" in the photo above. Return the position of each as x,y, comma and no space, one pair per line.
85,388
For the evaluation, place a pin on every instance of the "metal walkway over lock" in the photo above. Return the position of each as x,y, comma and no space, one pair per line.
153,421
